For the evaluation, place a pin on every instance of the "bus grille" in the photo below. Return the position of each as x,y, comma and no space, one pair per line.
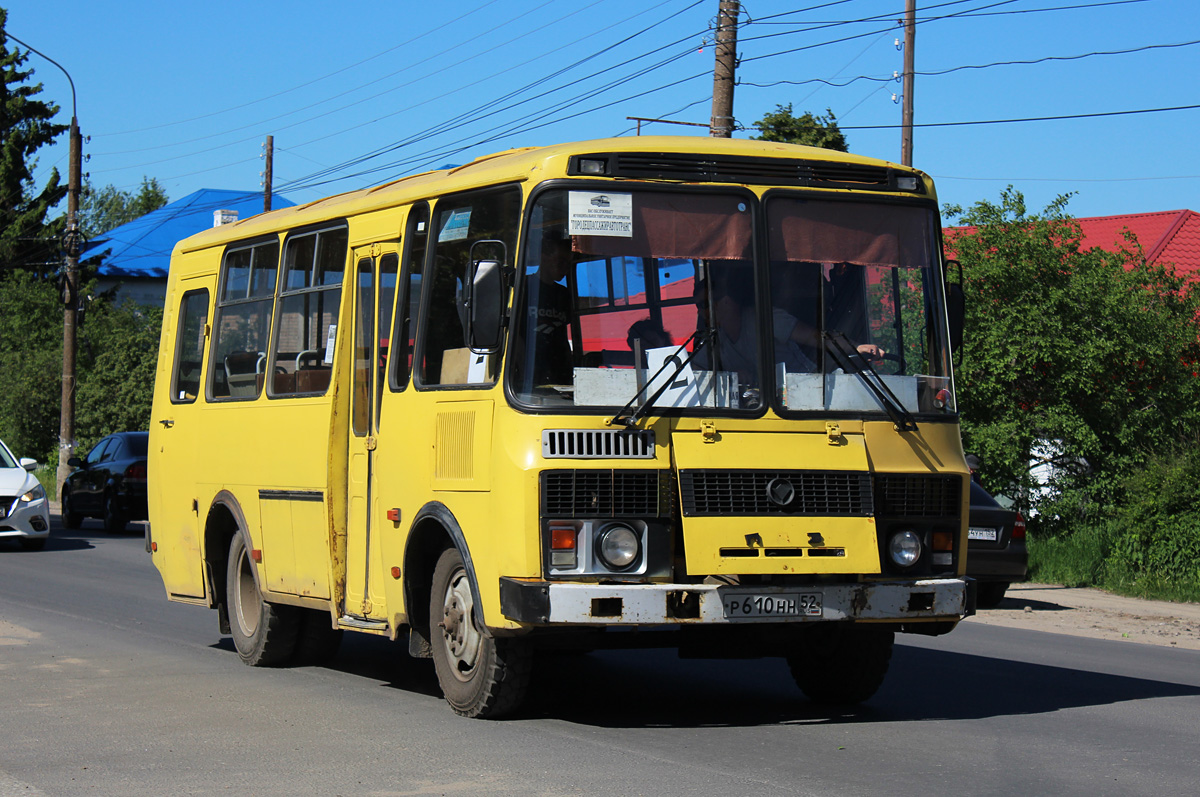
597,444
922,495
749,492
735,169
600,493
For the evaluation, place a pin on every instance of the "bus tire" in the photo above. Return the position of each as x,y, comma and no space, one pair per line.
318,641
264,634
480,675
840,665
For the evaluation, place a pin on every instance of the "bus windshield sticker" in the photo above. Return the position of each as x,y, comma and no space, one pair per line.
600,214
330,338
456,226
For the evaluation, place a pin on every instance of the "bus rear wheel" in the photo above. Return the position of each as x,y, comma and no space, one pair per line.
263,633
480,675
840,665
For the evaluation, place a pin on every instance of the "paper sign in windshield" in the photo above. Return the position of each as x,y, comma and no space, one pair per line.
600,214
456,226
681,388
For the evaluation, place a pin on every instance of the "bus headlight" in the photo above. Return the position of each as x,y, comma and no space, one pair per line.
618,546
905,548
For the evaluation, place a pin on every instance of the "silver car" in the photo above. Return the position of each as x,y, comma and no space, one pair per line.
24,508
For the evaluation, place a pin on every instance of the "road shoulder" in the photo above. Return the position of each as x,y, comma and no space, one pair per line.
1096,614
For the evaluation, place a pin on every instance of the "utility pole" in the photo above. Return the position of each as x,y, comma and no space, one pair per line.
910,40
70,296
722,107
270,157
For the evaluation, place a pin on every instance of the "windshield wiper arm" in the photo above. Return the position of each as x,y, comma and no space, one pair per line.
633,417
848,358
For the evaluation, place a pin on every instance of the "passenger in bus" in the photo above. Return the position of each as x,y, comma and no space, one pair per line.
732,308
648,334
551,311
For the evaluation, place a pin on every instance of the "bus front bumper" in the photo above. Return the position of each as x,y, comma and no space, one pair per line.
562,603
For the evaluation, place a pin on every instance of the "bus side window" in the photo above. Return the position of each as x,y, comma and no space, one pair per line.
189,347
460,222
243,321
309,301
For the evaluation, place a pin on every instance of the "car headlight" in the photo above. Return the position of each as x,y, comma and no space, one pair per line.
35,494
905,548
618,547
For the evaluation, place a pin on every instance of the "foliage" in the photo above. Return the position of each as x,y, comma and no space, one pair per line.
115,362
26,239
815,131
121,347
30,363
101,210
1086,356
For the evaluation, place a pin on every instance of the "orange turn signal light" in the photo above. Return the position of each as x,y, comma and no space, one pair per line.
562,538
943,541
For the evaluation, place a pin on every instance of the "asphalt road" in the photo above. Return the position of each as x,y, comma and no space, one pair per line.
106,688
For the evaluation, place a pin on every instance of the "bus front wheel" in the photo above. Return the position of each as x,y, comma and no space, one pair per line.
841,664
263,633
480,675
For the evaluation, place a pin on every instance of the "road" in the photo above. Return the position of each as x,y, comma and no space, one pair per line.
106,688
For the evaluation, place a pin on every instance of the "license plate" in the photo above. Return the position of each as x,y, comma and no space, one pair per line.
779,604
991,535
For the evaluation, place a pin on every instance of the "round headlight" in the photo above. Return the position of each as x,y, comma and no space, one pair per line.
618,546
905,548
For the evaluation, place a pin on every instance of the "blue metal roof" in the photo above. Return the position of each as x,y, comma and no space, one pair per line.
142,248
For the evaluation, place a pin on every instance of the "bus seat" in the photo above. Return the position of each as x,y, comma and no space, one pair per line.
241,372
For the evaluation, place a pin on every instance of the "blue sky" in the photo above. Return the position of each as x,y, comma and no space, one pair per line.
360,92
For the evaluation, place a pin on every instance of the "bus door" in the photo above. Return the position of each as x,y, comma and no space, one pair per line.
374,294
176,439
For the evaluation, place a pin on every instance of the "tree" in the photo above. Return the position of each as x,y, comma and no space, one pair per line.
815,131
1087,355
26,239
101,210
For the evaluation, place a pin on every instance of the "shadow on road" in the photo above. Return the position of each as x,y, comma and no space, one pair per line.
639,689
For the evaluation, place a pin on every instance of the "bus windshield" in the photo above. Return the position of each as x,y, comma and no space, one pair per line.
855,294
630,296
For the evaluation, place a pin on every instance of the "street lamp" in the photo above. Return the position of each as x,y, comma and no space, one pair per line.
72,241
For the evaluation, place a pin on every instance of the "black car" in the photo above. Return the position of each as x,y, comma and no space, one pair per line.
109,483
996,552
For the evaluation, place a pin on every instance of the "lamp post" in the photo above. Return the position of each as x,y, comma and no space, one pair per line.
72,241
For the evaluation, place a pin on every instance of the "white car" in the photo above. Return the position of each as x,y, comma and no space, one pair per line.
24,509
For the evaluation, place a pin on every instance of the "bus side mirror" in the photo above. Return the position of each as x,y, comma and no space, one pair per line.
485,302
956,307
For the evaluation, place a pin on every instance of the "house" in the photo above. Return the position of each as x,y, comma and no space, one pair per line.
137,255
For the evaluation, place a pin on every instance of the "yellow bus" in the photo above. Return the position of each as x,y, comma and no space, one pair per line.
635,392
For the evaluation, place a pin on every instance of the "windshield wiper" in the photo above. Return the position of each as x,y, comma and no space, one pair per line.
848,358
632,419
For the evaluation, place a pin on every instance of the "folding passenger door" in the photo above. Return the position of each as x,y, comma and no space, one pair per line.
177,442
374,295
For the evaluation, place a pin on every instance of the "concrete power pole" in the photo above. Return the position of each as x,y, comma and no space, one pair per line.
270,158
723,73
72,242
910,40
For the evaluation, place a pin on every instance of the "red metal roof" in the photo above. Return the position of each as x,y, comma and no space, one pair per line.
1169,236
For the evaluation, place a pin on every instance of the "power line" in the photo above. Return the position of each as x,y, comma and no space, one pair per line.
1029,118
892,78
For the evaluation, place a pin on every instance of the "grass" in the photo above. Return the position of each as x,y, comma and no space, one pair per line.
1084,559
